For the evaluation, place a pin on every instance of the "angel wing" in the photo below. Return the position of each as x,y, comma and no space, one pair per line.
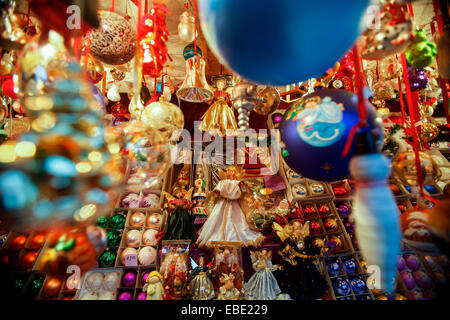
253,256
193,264
168,196
283,233
188,195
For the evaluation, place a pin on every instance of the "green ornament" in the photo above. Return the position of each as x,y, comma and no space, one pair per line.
107,259
113,238
420,52
117,221
18,284
285,153
102,222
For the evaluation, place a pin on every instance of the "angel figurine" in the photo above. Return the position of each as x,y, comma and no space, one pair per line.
230,201
228,291
201,286
262,285
226,262
298,276
180,225
153,286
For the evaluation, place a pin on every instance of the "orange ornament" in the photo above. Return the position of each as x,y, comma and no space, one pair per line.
18,242
52,286
37,241
28,259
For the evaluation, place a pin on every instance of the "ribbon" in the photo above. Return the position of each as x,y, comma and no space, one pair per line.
195,27
112,6
359,86
415,142
402,103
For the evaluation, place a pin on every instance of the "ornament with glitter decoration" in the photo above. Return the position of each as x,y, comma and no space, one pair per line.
164,117
420,52
114,42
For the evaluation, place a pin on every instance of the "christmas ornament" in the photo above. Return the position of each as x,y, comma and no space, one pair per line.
341,287
358,285
417,78
163,117
113,93
333,268
114,42
152,40
111,281
137,219
154,221
117,75
190,51
383,90
37,240
428,131
17,242
147,255
94,281
107,259
119,110
102,222
98,237
244,97
125,252
149,237
186,27
117,221
330,225
9,89
272,53
129,279
392,35
420,52
195,88
28,259
349,266
306,130
404,169
94,69
51,287
270,101
113,238
133,238
125,295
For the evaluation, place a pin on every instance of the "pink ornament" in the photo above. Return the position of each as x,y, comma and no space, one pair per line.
422,279
144,277
125,295
416,295
142,296
129,279
401,264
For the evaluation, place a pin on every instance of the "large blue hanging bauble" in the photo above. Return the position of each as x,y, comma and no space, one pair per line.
314,133
281,42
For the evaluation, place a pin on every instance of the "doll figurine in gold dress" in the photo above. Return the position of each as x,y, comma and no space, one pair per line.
227,207
219,117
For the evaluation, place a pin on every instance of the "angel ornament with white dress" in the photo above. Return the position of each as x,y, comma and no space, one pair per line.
262,285
227,207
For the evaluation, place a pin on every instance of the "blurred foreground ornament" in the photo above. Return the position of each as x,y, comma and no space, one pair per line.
271,52
113,93
420,52
375,210
393,34
146,148
164,117
65,247
404,169
114,42
195,88
186,27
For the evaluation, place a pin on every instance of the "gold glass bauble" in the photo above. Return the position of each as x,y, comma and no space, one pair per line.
133,238
164,117
270,101
137,219
404,168
428,131
126,252
383,113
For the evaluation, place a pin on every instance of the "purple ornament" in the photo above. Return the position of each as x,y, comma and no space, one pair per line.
401,264
422,280
144,277
125,295
142,296
411,261
416,295
408,280
343,210
276,117
129,279
417,78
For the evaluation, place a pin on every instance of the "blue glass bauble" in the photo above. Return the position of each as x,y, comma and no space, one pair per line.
349,266
341,287
315,130
333,268
431,189
189,51
280,42
358,285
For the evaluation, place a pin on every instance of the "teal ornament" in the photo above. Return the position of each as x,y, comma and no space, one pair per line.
117,221
189,51
102,222
107,259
